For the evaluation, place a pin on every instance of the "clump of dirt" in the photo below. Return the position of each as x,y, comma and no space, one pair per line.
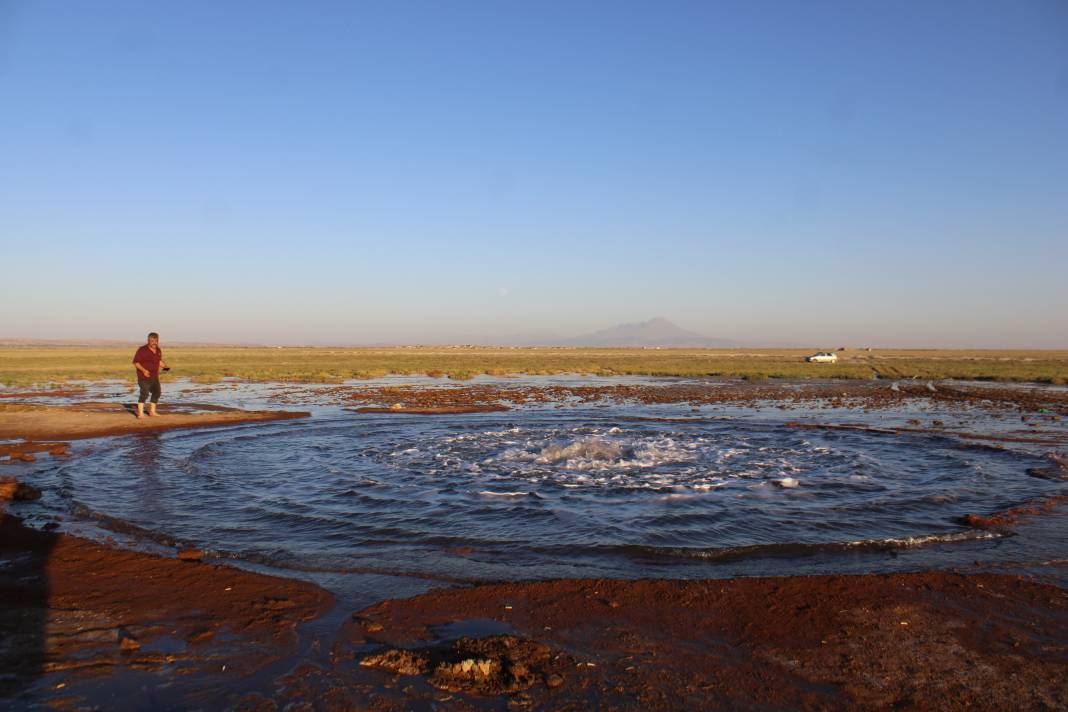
495,665
1010,516
13,490
24,450
399,662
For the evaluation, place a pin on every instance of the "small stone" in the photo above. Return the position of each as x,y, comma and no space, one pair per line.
373,628
190,554
129,643
554,680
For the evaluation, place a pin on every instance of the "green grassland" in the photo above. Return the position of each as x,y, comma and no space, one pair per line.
27,366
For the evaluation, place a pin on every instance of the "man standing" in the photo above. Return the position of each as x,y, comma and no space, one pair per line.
147,361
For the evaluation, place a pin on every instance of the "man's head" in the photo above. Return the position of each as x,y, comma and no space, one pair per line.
153,339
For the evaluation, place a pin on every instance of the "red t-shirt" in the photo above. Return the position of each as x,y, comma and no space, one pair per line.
148,360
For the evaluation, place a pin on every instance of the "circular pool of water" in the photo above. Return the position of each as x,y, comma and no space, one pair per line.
538,494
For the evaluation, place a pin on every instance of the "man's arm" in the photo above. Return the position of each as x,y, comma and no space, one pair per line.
141,370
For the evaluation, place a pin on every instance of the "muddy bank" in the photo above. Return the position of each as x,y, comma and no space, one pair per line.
1051,404
71,609
433,410
93,420
912,641
907,641
80,618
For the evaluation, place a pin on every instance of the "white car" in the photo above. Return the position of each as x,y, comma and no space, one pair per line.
822,357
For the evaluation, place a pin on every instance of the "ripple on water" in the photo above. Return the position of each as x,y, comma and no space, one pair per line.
532,495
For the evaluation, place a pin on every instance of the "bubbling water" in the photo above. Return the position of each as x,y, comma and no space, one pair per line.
528,494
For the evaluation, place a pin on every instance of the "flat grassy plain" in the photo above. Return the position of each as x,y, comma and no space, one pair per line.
35,366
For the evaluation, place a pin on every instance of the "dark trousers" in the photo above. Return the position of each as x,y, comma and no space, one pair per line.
148,386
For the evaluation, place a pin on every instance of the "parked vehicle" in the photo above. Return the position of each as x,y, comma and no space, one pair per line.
823,357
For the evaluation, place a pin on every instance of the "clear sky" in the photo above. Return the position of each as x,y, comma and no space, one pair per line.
826,173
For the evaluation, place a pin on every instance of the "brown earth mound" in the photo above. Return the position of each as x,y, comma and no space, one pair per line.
92,420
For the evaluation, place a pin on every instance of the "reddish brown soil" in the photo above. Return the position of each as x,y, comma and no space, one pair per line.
904,641
24,450
70,607
93,420
1008,517
434,410
55,393
73,611
865,395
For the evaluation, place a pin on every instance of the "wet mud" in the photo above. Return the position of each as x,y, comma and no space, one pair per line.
93,420
1042,403
434,410
1011,516
24,451
84,623
904,641
77,614
71,609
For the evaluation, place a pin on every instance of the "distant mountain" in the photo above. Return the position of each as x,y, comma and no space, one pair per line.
655,332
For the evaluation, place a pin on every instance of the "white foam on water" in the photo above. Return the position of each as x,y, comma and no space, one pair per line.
706,486
501,433
580,454
491,493
914,541
628,458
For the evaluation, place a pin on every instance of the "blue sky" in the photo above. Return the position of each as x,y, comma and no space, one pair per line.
821,173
